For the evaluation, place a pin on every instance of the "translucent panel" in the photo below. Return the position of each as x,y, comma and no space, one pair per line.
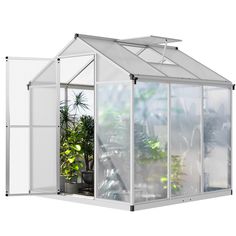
121,56
44,103
190,64
71,67
19,161
20,73
153,56
88,97
150,40
43,164
86,77
173,71
44,141
77,47
62,94
217,138
150,138
108,71
134,50
113,141
47,75
185,140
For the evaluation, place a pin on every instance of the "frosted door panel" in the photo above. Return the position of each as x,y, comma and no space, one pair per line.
185,140
113,141
44,102
43,164
150,140
19,161
217,138
44,137
20,73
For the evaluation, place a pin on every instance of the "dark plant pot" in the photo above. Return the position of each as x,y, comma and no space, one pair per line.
72,188
62,183
88,177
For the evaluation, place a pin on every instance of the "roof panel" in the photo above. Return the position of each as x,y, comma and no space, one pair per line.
173,71
121,56
191,65
149,40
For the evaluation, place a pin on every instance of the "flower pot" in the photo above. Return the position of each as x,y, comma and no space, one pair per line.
88,177
72,188
62,183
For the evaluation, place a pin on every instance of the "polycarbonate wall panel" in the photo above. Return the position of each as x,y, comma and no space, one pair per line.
43,164
20,72
185,146
113,141
201,71
19,161
47,75
108,71
121,56
150,141
77,70
217,138
44,102
77,47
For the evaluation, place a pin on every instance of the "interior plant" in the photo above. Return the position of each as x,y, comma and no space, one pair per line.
85,128
176,175
77,141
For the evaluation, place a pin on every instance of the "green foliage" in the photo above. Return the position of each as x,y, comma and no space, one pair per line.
71,155
152,151
77,138
80,102
176,174
85,128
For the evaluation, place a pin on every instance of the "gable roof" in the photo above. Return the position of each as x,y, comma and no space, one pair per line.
129,54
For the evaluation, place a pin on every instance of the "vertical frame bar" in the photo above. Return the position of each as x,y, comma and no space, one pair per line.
7,130
168,142
202,177
58,124
132,165
95,127
231,138
31,138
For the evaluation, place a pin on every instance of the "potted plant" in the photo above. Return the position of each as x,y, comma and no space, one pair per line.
85,130
71,160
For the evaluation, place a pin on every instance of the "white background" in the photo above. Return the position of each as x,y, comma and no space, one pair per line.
41,29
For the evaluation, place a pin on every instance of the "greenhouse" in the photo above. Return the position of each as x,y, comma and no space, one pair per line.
129,124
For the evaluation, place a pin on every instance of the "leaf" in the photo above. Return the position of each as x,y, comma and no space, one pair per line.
67,152
163,179
76,167
71,160
78,147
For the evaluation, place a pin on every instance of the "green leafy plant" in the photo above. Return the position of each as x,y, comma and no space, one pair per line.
85,129
80,102
71,155
176,174
77,137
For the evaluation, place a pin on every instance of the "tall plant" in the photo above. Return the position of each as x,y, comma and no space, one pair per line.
85,129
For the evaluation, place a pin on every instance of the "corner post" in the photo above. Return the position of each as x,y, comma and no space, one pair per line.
7,130
58,124
133,81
